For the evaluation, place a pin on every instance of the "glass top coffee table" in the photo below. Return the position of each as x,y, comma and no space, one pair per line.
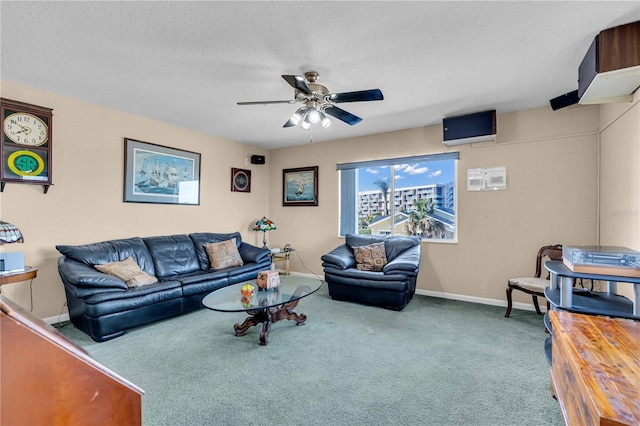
264,306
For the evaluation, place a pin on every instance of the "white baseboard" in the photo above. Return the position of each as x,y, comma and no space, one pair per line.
464,298
57,319
481,300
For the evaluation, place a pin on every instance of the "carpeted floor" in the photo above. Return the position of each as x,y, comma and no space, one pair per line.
438,362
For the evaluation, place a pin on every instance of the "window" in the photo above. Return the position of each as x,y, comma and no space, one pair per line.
400,196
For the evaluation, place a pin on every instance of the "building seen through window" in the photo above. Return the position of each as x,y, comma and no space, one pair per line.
404,196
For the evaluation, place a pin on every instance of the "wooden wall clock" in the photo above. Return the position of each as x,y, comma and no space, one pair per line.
25,149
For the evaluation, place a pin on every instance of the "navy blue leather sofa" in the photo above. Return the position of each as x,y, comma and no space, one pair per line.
104,307
392,288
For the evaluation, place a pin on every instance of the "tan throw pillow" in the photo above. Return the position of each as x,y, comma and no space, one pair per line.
128,271
223,254
371,257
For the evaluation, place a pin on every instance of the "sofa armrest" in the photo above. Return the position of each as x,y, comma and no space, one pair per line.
82,275
407,263
340,258
253,254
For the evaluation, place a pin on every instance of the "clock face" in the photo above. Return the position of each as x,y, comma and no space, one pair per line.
26,129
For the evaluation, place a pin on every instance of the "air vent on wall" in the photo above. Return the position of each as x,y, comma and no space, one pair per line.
470,128
610,71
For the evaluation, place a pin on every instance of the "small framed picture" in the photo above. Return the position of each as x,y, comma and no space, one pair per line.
300,186
240,180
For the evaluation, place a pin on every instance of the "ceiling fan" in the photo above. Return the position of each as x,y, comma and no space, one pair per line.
317,102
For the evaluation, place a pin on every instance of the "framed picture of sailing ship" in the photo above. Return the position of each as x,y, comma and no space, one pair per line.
160,174
300,186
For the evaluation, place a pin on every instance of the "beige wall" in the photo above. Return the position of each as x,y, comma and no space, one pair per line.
85,203
551,157
619,209
551,160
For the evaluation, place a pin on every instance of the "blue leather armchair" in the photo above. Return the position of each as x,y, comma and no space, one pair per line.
392,288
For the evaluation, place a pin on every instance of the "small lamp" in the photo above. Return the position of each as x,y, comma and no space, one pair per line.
9,234
264,225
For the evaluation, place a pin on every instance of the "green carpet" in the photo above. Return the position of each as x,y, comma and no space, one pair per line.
438,362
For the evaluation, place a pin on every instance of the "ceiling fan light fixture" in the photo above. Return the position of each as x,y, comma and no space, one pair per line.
313,115
324,120
296,117
316,99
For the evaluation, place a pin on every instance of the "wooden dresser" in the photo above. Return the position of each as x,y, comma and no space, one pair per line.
596,369
48,380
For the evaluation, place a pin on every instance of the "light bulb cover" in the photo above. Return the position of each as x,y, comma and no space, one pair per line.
313,115
324,120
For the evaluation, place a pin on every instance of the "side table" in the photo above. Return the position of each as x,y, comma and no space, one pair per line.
286,255
28,274
562,295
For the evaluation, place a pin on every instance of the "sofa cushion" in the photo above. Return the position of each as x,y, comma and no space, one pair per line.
371,257
111,251
172,255
128,271
223,254
201,238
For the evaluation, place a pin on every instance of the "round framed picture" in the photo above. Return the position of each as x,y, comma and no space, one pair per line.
240,180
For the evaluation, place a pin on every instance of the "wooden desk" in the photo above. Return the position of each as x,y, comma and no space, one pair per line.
49,380
596,369
28,274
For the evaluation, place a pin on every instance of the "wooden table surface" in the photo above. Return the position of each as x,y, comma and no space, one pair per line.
596,369
29,273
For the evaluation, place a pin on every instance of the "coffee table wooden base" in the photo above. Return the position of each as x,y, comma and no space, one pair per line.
267,317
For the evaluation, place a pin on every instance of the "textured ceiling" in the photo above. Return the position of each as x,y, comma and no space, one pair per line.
188,63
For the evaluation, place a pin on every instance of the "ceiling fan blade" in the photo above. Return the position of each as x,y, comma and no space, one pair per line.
360,96
343,115
297,82
291,101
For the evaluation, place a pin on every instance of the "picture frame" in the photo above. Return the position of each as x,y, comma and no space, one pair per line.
160,174
300,186
240,180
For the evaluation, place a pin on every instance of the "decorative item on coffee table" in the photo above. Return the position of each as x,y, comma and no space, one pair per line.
268,280
247,290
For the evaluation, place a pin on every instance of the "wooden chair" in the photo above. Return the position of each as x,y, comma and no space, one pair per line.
534,285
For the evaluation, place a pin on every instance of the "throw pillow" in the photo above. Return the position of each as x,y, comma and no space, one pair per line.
223,254
371,257
128,271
